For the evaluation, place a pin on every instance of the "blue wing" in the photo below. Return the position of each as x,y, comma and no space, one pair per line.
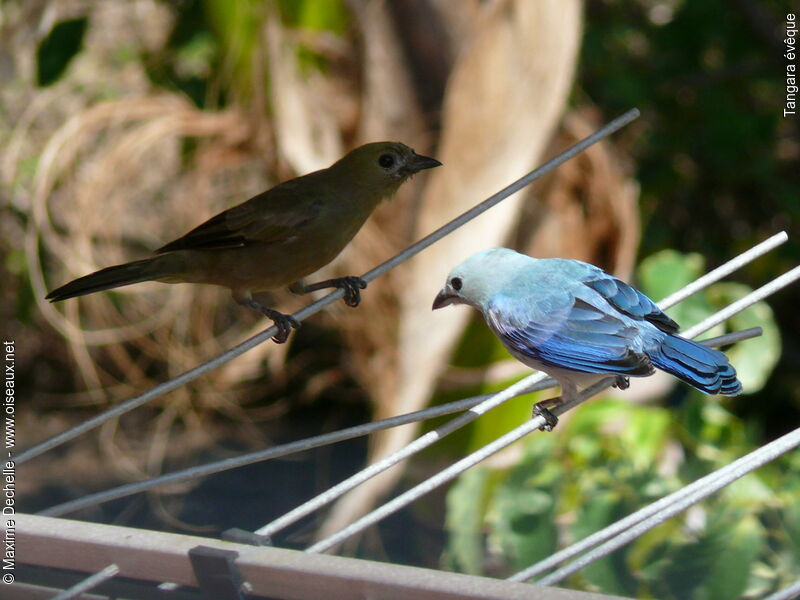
631,302
568,333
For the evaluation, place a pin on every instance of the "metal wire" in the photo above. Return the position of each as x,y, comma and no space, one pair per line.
447,474
791,592
285,449
751,298
419,444
617,528
725,269
89,583
669,506
462,465
315,307
320,440
433,436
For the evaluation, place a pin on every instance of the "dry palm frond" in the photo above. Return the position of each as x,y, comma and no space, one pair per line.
589,206
503,101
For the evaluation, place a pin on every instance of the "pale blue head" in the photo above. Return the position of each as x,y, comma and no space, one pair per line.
480,276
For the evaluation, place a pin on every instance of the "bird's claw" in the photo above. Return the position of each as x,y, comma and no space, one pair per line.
285,324
622,382
351,286
550,420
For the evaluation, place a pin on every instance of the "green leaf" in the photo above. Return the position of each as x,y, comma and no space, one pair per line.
645,434
237,26
592,415
57,50
609,574
666,272
523,518
478,346
791,518
466,508
323,15
750,491
504,418
740,544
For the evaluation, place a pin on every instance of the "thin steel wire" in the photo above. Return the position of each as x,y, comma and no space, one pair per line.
725,269
619,527
671,505
417,445
315,307
469,461
89,583
791,592
751,298
433,436
319,441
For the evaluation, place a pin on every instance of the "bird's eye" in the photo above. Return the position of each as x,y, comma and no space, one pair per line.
386,161
456,283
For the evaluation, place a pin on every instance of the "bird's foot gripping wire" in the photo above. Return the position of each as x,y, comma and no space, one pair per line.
540,409
351,285
284,323
622,382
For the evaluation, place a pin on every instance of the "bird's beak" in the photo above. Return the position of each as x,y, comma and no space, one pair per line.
419,162
443,299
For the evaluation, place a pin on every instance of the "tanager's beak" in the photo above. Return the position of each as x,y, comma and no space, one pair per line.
419,162
443,299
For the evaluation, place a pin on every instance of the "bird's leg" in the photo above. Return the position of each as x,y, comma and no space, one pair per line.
284,323
351,286
622,382
568,391
540,409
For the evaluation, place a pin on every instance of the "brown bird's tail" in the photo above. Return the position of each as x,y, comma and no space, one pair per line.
106,279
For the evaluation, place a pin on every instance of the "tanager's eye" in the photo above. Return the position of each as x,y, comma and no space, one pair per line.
456,283
386,161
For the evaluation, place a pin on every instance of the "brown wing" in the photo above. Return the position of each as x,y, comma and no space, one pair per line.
270,217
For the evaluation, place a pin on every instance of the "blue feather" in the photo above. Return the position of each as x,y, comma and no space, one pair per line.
595,342
702,367
632,302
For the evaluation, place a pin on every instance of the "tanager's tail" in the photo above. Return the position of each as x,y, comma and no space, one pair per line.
702,367
106,279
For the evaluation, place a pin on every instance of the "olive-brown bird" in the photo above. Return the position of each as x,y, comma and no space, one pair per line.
276,238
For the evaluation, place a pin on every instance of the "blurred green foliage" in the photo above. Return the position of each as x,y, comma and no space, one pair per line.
216,46
610,459
715,158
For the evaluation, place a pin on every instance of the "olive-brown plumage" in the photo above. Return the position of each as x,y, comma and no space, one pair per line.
277,237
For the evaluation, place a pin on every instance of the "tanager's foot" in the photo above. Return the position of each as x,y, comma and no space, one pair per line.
351,286
622,383
540,410
284,323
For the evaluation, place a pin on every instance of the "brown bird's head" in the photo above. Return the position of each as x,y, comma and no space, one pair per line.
383,165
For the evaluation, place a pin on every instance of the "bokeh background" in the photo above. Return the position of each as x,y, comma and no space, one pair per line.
124,124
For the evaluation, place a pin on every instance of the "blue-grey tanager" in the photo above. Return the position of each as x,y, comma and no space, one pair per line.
574,321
